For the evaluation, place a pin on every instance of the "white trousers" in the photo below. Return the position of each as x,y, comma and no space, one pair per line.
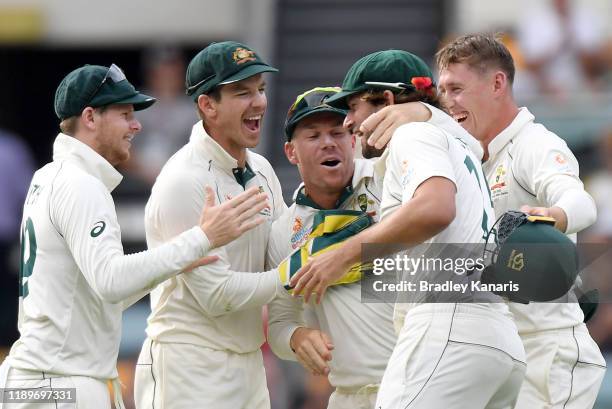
186,376
454,356
362,398
89,393
564,370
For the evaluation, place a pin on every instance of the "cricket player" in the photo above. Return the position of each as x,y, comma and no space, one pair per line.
336,336
532,169
74,277
448,355
205,330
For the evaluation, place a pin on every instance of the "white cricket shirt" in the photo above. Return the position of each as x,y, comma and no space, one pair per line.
529,165
74,274
419,151
211,306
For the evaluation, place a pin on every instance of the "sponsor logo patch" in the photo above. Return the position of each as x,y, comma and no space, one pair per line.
300,233
98,229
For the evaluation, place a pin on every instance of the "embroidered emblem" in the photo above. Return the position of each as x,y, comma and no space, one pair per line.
242,55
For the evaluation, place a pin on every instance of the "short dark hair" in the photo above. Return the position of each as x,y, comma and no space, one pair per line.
480,52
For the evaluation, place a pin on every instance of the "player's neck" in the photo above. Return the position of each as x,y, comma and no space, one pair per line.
506,113
235,151
323,199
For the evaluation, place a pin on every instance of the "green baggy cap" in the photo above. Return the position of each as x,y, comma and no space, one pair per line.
534,255
388,69
311,102
96,86
222,63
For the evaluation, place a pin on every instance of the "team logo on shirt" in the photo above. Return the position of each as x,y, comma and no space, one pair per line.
364,203
500,178
499,186
98,228
362,200
560,159
300,232
561,162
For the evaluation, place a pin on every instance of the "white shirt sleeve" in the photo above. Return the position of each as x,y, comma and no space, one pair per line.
219,290
549,170
284,312
418,151
216,288
84,214
285,315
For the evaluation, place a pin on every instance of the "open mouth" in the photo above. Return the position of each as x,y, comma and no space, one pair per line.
331,163
252,123
460,117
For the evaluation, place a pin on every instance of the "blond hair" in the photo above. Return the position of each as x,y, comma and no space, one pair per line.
480,52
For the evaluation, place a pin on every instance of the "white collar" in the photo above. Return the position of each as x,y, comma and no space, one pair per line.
67,147
497,144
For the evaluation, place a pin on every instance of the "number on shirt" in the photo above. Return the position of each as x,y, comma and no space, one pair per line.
28,256
485,218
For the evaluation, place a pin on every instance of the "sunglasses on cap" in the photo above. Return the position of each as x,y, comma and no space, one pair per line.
416,83
313,98
114,73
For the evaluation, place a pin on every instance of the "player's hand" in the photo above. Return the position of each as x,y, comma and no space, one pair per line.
229,220
380,126
312,349
555,212
319,273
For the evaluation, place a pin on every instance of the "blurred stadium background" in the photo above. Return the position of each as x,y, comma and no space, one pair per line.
564,76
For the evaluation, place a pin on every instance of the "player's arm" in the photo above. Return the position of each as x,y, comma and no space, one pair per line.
290,339
288,336
86,218
380,127
548,169
219,290
428,208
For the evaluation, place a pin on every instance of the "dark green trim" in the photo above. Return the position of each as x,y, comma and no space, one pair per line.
303,200
243,175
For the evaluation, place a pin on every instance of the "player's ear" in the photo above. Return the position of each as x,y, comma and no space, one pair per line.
87,118
500,81
389,97
207,106
290,153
